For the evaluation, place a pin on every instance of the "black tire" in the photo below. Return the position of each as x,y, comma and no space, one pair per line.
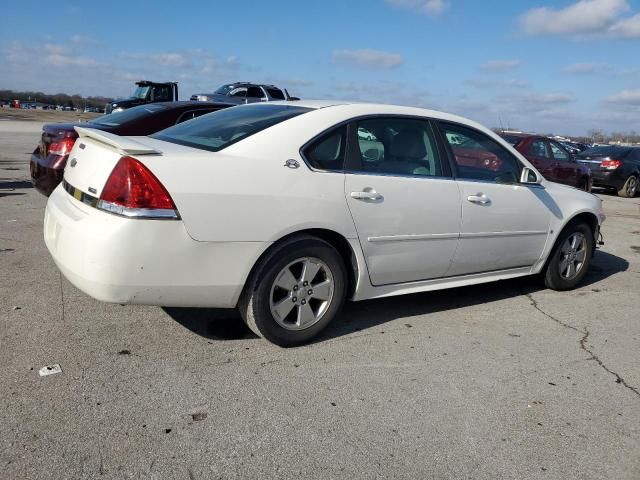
585,184
630,187
552,274
255,302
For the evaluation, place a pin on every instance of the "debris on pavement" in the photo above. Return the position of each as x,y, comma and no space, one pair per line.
50,370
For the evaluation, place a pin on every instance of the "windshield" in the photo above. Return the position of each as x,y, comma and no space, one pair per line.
220,129
223,90
130,115
605,152
141,92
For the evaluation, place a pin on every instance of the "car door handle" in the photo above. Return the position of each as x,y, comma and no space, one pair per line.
480,199
366,195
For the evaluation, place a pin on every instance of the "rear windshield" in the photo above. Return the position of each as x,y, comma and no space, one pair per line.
512,139
130,115
220,129
605,152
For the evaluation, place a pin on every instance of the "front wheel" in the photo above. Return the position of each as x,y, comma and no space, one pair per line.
570,258
630,187
296,291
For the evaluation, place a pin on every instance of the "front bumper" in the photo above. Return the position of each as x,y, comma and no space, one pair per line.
148,262
47,172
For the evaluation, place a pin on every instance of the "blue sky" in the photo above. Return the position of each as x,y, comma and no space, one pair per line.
563,66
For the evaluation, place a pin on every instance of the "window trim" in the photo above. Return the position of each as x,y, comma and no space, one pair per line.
454,167
317,137
557,144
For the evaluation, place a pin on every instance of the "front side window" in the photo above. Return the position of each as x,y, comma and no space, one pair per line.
538,149
240,92
396,146
327,153
478,157
559,153
225,127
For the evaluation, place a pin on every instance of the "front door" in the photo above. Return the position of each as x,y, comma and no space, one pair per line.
505,224
405,205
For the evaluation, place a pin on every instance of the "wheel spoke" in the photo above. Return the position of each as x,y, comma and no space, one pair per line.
581,255
283,308
563,266
575,239
305,315
566,247
322,290
571,271
309,271
286,280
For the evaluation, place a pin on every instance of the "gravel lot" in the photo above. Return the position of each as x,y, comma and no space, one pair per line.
505,380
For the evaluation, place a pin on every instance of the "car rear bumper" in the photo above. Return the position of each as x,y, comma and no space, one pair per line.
148,262
609,179
46,173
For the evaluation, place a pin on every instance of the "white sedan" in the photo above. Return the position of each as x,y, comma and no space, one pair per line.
277,210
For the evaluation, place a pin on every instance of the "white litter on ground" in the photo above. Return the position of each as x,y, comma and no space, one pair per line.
50,370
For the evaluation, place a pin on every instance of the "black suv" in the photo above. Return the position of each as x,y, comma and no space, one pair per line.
244,92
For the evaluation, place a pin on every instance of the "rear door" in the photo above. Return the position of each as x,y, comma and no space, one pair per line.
403,200
565,170
505,224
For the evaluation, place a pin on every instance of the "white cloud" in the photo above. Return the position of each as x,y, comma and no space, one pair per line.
583,18
628,27
368,59
493,82
625,98
83,40
500,65
430,7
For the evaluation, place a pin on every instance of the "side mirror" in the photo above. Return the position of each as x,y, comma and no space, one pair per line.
530,177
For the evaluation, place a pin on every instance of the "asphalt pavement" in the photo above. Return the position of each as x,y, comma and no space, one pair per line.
497,381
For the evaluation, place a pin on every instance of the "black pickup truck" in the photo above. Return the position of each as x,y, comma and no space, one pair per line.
146,92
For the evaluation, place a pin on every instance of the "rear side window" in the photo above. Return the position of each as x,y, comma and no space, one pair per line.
327,153
275,93
478,157
225,127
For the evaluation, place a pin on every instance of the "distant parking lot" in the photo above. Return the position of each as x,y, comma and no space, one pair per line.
503,380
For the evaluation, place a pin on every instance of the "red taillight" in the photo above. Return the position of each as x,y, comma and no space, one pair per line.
132,190
62,147
611,164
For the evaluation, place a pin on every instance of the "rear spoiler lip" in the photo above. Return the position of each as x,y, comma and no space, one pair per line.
122,144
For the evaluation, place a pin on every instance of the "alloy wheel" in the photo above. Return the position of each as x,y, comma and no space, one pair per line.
573,255
301,293
632,186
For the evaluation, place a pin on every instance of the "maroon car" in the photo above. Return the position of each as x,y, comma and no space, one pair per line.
50,156
551,159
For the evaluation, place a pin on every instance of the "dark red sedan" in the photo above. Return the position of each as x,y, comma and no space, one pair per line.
551,159
50,156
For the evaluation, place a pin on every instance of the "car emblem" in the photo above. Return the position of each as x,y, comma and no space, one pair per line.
74,162
291,163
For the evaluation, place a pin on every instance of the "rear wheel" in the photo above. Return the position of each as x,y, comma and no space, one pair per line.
570,258
630,187
296,291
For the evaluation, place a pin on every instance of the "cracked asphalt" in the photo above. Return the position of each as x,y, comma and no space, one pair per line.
499,381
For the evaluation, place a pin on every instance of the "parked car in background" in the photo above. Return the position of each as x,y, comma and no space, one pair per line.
614,167
146,92
277,209
551,159
50,156
244,92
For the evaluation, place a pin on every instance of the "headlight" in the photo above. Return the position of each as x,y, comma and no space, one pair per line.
117,109
202,98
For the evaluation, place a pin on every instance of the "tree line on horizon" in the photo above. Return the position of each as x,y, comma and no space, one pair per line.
58,99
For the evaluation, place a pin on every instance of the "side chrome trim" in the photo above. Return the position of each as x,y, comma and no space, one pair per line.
450,236
408,238
502,234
